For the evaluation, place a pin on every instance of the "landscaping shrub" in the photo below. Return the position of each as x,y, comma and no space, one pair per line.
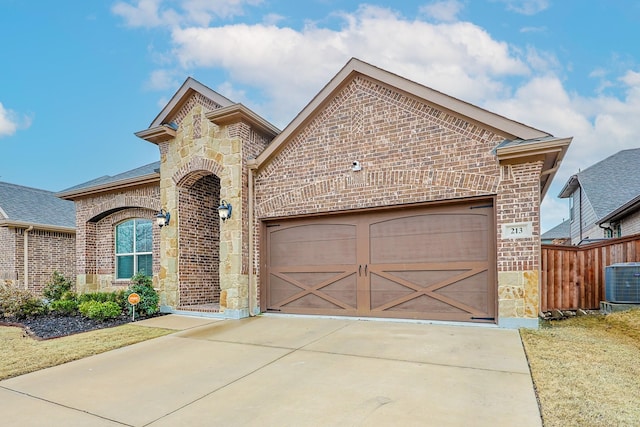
100,310
65,307
142,285
58,286
99,297
19,303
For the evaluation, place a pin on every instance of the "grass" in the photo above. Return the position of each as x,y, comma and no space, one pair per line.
22,354
586,370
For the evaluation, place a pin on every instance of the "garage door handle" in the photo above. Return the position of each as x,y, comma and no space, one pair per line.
360,270
365,270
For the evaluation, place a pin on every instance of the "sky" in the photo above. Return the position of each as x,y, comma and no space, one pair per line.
78,78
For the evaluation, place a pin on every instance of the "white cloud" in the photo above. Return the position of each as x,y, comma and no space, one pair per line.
526,7
289,66
155,13
444,11
10,121
162,80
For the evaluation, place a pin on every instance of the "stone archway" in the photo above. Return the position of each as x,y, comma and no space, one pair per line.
199,242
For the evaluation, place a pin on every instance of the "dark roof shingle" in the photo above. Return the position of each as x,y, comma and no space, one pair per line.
35,206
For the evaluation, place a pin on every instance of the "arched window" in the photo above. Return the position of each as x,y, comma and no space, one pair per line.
134,245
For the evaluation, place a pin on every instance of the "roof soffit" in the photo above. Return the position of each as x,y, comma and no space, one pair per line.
506,127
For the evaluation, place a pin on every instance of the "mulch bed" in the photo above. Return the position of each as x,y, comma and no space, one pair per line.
50,326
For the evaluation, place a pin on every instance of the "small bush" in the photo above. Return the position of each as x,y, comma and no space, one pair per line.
58,286
97,296
19,303
149,299
68,307
100,310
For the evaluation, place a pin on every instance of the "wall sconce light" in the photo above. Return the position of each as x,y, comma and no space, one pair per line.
162,218
224,210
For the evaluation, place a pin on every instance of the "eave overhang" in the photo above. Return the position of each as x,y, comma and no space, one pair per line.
549,150
157,134
627,209
570,187
238,112
110,186
44,227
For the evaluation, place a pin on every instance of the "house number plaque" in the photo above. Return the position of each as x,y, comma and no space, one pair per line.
517,230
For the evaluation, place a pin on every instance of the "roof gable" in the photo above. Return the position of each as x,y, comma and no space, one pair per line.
24,206
508,128
560,231
185,93
609,184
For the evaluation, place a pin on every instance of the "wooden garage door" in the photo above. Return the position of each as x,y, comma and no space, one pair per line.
418,263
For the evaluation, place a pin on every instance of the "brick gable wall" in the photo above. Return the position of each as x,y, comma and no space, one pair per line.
409,152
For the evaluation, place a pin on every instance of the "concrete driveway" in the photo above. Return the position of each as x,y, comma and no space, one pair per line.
287,371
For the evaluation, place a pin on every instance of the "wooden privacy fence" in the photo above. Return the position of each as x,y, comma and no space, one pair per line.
573,276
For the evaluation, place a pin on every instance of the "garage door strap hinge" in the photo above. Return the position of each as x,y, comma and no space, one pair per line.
482,318
490,205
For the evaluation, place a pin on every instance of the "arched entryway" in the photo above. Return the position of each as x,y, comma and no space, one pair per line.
199,242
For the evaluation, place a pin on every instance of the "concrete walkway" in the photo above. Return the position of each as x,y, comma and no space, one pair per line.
287,371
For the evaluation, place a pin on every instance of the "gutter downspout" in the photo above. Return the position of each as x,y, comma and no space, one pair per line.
26,256
251,231
580,213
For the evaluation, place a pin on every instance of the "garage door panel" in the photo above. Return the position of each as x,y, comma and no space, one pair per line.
313,302
429,237
425,278
312,290
423,263
422,304
384,290
313,244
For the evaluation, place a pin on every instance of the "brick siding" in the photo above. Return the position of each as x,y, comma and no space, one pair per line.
199,244
48,251
409,152
96,218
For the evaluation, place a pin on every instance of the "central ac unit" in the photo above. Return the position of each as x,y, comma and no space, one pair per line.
622,282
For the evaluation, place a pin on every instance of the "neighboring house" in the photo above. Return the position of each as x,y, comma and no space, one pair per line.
558,235
37,237
382,198
604,199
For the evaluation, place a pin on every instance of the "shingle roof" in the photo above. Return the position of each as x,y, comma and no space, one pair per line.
151,168
34,206
610,183
560,231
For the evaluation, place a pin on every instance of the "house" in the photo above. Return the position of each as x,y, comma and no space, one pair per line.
37,236
604,199
558,235
382,198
